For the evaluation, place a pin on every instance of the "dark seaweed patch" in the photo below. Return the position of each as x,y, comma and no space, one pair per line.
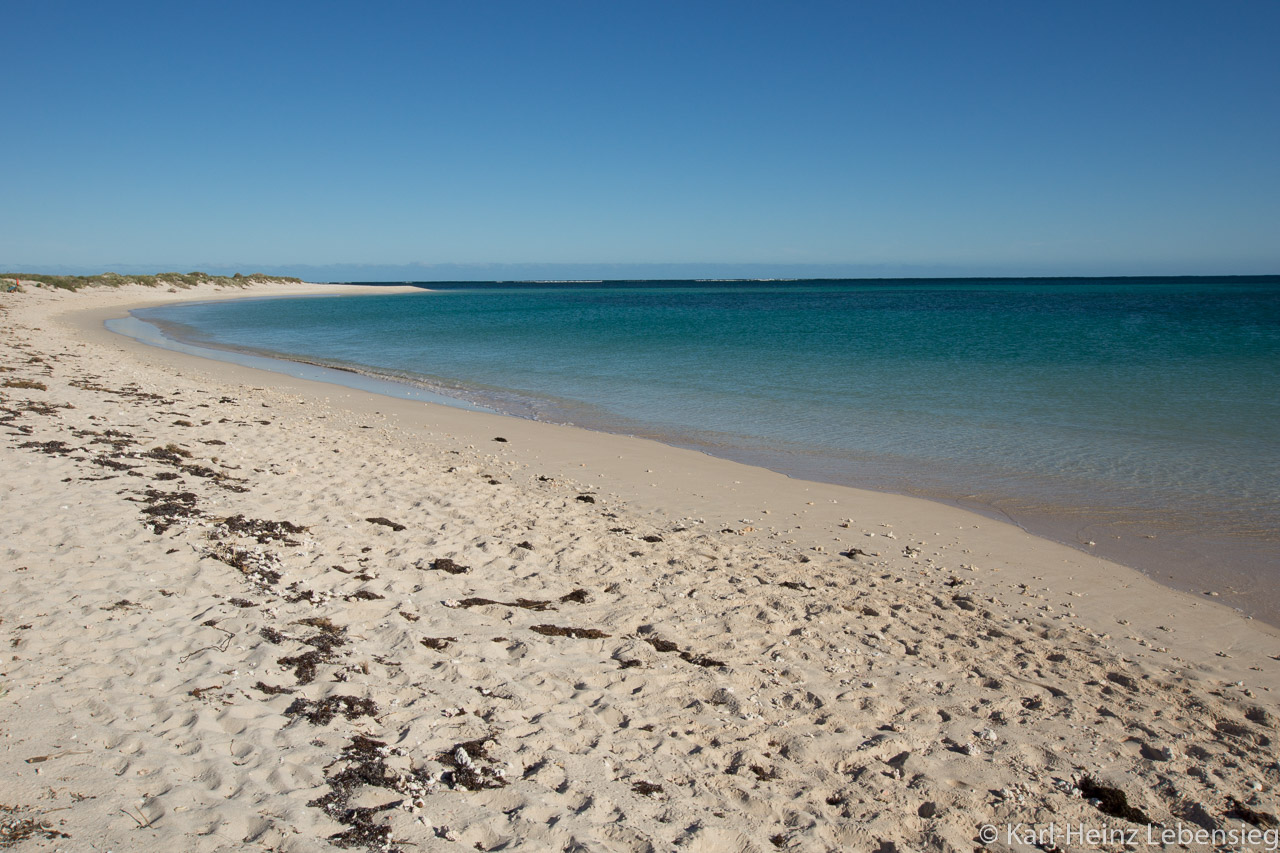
465,773
364,764
525,603
386,522
170,453
646,789
573,633
262,530
113,464
689,657
444,564
165,509
323,711
586,499
53,448
273,690
324,644
438,644
578,596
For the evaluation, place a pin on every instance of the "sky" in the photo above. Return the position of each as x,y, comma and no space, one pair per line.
620,139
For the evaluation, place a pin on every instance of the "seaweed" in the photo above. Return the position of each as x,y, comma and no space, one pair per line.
586,499
689,657
438,644
53,448
525,603
465,773
113,464
322,712
15,829
646,789
170,453
165,509
573,633
272,690
258,567
386,522
324,645
578,596
444,564
365,765
363,595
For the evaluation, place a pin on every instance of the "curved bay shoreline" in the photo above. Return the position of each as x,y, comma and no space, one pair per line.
648,647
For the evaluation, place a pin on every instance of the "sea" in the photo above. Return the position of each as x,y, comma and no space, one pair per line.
1138,419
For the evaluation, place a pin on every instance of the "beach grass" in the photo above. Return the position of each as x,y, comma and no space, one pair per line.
163,279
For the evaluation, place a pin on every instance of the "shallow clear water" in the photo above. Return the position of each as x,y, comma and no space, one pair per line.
1152,405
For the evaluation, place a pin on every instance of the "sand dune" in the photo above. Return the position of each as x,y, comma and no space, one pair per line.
249,612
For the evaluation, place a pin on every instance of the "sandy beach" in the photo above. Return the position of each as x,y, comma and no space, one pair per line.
245,611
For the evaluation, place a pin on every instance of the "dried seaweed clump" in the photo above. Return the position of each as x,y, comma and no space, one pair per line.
165,509
444,564
260,568
465,774
668,646
261,530
322,712
16,827
324,645
26,384
524,603
573,633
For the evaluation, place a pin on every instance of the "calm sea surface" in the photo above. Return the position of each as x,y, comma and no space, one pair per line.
1141,415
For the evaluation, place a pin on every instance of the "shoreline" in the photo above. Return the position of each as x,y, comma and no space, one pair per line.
1195,561
730,656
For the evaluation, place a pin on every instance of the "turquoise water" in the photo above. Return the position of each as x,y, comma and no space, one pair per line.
1081,408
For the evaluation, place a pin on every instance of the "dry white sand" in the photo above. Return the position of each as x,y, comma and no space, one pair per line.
243,611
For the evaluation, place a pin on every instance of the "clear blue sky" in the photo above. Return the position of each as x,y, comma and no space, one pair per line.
572,137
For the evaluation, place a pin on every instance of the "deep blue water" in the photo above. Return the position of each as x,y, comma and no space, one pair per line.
1153,405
